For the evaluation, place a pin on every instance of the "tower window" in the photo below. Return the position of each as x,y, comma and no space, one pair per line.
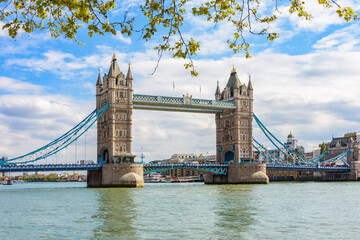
227,123
226,138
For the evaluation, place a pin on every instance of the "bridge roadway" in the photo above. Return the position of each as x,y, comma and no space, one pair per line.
148,168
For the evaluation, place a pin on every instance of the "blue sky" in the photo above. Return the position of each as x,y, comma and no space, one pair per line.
307,82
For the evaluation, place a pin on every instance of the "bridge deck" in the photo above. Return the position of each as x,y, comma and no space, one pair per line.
49,167
214,168
307,167
184,104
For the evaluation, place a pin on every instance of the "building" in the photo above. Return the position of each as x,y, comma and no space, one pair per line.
185,158
234,127
179,158
114,126
292,142
341,144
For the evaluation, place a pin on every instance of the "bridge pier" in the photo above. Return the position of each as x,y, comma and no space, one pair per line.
239,174
117,175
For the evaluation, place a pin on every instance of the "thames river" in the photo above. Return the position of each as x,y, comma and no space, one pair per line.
288,210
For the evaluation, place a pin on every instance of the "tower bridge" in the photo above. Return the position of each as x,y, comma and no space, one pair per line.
235,145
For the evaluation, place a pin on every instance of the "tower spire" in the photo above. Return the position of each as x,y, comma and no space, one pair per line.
99,82
129,74
114,56
233,70
217,88
249,84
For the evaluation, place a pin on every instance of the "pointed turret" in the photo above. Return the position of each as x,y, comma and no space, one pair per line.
217,92
99,82
129,74
249,84
114,69
217,88
111,71
237,82
234,81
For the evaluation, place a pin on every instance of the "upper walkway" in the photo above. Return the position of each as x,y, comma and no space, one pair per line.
184,104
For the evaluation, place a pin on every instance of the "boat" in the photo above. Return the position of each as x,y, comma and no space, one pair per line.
156,178
7,182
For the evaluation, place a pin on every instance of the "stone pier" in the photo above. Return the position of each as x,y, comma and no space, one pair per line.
240,173
117,175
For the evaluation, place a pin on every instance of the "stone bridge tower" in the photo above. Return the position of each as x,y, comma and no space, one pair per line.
114,126
114,134
234,127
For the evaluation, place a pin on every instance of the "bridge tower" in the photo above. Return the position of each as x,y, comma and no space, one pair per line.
114,126
114,131
234,127
234,142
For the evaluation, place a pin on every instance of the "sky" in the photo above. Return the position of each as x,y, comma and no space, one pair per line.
306,82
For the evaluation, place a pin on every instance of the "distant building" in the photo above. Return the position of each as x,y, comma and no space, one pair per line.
185,158
341,144
316,152
291,142
309,155
179,158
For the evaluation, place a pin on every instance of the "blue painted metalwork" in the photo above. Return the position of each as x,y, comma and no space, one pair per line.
294,156
283,161
184,104
148,168
212,168
336,159
269,135
308,167
60,143
49,167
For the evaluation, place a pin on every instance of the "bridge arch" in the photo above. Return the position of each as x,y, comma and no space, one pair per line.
229,156
105,156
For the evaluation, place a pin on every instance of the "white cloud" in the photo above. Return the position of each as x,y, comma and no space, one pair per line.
17,86
28,122
66,65
345,39
3,32
123,39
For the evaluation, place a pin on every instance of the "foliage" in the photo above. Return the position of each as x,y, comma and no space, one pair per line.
322,150
66,17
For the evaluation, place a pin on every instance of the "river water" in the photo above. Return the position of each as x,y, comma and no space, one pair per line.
288,210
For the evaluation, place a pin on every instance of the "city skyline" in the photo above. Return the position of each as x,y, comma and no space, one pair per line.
304,82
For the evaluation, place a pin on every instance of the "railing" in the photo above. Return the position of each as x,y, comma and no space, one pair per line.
307,167
208,167
211,168
185,103
49,167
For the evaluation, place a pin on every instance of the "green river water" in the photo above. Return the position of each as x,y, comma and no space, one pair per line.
288,210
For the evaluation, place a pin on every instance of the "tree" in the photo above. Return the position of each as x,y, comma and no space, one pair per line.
322,150
165,17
